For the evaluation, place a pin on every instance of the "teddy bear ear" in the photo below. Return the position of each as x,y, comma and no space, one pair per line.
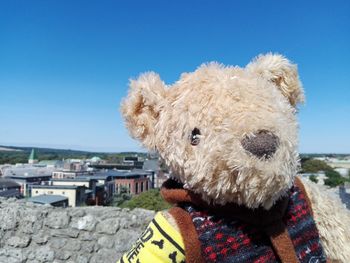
279,70
142,106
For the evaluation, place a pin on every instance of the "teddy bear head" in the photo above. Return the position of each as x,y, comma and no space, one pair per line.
227,133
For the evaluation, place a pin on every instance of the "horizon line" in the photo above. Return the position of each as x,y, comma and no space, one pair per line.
86,149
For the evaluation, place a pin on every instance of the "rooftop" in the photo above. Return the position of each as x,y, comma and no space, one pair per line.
47,199
24,176
95,177
13,192
6,183
95,159
72,187
70,171
122,174
76,179
118,166
27,170
152,165
50,162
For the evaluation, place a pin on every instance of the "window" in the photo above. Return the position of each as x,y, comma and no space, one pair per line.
146,185
141,187
136,188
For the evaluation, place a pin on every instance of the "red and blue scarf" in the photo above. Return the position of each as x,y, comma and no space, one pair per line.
237,234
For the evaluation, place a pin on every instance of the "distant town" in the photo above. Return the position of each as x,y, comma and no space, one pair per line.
79,182
76,178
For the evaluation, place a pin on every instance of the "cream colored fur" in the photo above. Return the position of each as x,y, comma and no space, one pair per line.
280,71
333,222
227,104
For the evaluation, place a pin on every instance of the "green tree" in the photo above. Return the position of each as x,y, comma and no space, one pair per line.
121,197
151,200
334,179
314,166
313,178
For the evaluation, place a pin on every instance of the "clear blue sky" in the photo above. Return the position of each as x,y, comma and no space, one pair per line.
65,65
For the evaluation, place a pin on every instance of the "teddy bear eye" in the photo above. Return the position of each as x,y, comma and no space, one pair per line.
194,137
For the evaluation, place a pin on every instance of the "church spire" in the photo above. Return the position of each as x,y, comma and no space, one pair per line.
33,157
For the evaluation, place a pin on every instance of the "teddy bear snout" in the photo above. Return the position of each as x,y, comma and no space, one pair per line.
262,144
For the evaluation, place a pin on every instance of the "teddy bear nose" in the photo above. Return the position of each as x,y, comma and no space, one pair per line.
262,144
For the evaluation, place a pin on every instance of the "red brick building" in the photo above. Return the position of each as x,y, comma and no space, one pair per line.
134,182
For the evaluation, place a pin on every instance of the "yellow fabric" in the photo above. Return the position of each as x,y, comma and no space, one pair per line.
159,243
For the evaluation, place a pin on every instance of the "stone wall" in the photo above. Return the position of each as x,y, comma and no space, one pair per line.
36,233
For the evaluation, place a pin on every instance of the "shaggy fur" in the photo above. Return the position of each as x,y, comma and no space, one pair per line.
333,222
226,104
206,127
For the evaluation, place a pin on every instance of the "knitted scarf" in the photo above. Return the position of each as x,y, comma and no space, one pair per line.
232,233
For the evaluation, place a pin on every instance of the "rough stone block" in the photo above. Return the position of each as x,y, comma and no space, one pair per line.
87,247
57,243
65,233
87,223
8,218
19,241
72,245
63,254
106,241
11,255
76,212
86,236
57,219
82,259
108,226
44,254
40,238
125,239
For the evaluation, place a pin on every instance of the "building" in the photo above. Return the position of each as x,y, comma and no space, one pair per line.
9,188
93,195
75,194
95,160
75,165
129,163
58,164
3,168
160,178
28,174
66,174
134,182
157,176
54,200
105,180
26,180
100,186
33,157
87,182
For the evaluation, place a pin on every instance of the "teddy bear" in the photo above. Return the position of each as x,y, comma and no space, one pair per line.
230,137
